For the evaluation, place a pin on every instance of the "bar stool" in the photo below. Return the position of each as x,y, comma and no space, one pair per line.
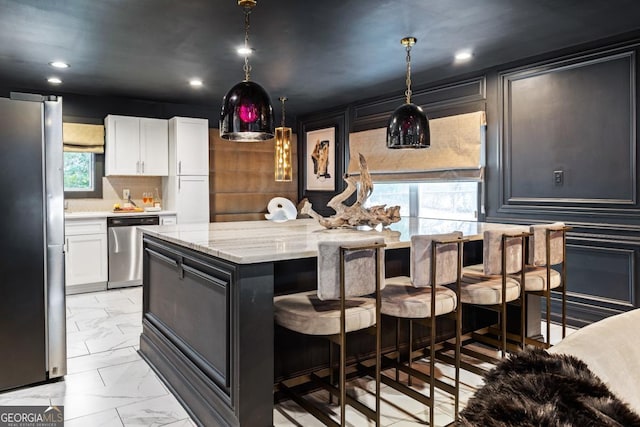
436,260
547,248
492,284
349,273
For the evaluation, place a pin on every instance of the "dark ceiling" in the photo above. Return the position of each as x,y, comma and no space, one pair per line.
319,54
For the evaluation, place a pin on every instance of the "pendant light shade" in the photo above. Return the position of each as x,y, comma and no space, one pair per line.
283,172
247,115
408,126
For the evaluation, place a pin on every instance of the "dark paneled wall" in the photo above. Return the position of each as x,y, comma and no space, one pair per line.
561,145
574,120
339,120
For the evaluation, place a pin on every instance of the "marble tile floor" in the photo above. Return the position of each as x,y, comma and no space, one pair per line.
108,384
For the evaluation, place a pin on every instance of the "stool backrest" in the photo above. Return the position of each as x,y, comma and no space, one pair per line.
538,243
359,268
492,251
446,259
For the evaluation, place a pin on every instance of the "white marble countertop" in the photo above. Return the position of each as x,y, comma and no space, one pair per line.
105,214
249,242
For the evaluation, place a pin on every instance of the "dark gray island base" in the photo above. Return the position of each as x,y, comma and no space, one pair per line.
208,333
208,328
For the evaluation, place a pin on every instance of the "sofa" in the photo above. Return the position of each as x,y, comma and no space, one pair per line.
611,350
590,378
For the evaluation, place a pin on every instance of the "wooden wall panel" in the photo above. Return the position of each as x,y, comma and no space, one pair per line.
241,178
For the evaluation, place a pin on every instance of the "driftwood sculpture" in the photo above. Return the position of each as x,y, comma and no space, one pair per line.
356,214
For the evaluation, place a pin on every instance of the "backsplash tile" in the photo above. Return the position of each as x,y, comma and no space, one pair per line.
112,187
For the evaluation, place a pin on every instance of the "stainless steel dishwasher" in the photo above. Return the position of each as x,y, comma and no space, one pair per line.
125,249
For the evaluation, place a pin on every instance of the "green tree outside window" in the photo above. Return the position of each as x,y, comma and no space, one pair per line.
78,171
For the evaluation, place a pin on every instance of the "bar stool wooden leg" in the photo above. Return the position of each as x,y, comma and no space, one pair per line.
432,356
410,349
564,284
331,370
397,348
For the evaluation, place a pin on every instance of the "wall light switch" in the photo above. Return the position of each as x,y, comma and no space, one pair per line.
125,194
558,177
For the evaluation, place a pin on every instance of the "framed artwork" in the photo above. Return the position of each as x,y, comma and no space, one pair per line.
320,160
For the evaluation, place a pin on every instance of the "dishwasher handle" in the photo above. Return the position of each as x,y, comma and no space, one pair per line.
132,221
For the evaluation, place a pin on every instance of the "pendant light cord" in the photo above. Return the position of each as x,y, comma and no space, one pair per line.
283,99
408,91
247,67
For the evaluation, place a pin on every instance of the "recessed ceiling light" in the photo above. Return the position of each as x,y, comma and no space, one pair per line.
59,64
464,55
244,51
54,80
195,82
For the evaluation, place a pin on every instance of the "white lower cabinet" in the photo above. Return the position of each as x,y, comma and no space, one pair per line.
86,260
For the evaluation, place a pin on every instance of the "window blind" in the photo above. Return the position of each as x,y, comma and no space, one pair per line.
83,138
456,152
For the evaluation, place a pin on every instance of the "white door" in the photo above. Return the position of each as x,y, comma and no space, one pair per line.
192,201
86,259
122,145
154,147
192,146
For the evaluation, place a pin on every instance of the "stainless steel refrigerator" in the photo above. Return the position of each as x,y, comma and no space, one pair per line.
32,298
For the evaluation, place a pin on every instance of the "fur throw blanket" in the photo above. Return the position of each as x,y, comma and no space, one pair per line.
535,388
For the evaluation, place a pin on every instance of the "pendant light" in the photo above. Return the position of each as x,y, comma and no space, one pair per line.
283,149
408,126
247,115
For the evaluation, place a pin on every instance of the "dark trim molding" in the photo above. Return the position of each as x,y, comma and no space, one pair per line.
375,114
338,119
506,79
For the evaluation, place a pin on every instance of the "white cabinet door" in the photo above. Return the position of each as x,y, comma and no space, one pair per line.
191,146
154,147
122,145
192,201
86,259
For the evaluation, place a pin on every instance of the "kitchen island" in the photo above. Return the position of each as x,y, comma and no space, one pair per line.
208,327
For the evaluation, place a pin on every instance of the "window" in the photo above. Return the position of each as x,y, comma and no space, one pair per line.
78,171
433,199
448,200
83,175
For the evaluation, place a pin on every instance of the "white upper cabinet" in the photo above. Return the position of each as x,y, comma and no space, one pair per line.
136,146
189,146
154,147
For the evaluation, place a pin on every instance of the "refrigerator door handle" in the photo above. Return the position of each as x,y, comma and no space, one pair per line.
180,167
143,166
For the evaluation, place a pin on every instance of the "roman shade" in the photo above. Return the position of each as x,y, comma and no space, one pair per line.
456,152
83,138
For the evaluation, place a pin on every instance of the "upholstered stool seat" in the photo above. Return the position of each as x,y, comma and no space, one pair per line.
477,288
547,248
350,276
436,261
492,284
401,299
535,279
306,313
